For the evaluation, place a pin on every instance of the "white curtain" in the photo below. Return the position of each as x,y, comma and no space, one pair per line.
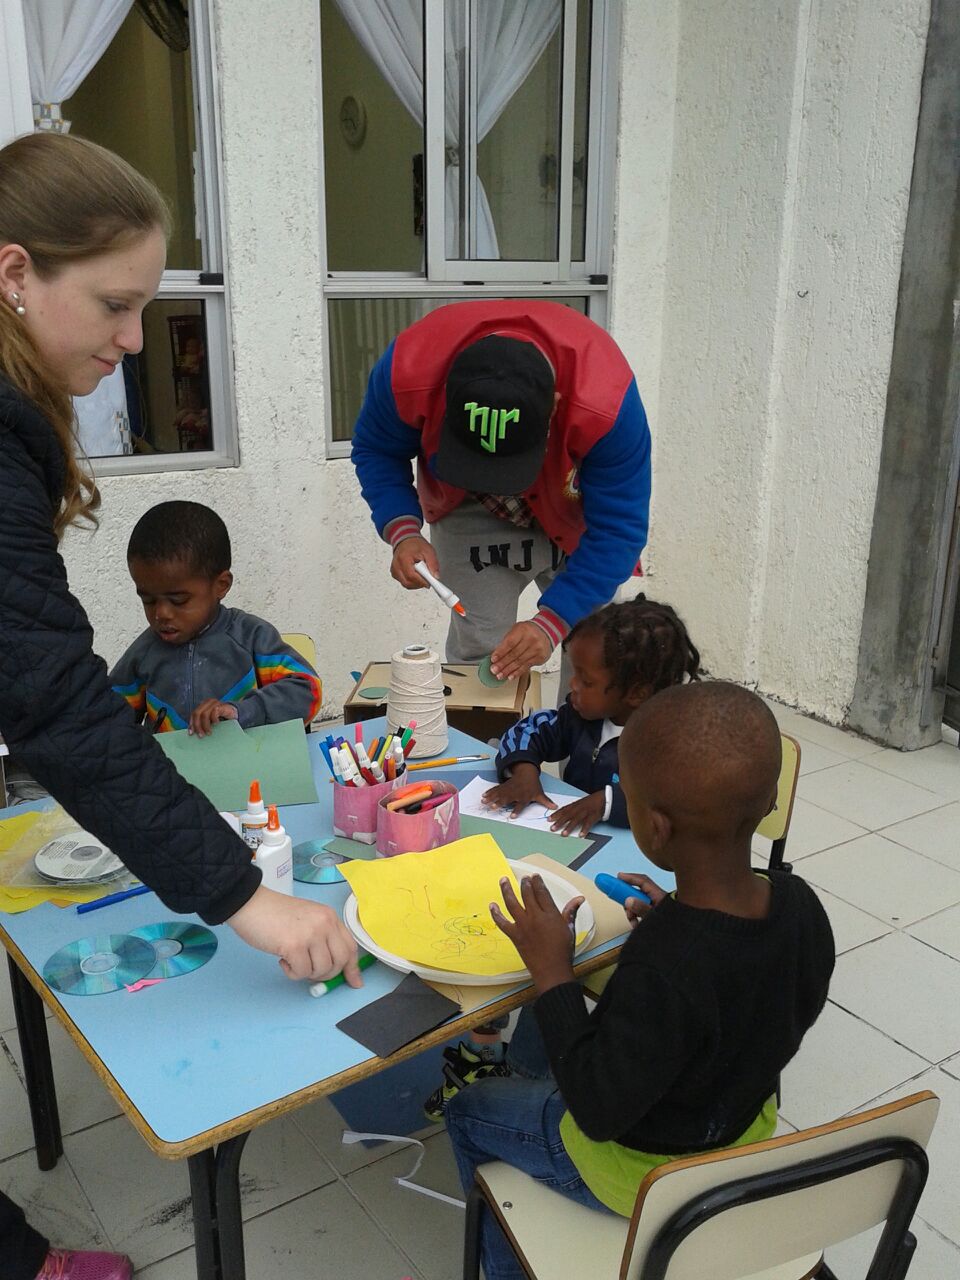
512,34
65,39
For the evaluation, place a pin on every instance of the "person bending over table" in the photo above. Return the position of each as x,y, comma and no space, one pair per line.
533,464
82,250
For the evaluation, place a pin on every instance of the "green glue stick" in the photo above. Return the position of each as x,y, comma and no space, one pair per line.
331,984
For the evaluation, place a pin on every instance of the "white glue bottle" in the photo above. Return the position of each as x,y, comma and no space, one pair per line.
253,823
274,855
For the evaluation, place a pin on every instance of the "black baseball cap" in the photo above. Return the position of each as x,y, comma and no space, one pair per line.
500,394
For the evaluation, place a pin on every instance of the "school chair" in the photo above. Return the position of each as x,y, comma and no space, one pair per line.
306,648
303,644
761,1212
777,822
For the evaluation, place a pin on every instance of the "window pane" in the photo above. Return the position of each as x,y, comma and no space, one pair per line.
159,402
503,67
138,101
361,329
581,126
373,140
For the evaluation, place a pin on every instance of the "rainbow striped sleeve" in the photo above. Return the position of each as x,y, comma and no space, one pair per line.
135,694
277,666
170,719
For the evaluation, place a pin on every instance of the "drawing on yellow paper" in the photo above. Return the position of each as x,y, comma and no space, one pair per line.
433,908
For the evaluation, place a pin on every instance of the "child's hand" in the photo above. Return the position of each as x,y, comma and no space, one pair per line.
543,935
583,814
208,713
520,789
636,908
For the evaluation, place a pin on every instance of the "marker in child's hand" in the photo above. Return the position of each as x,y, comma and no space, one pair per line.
618,889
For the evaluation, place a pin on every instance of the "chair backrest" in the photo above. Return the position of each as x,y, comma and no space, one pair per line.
777,822
303,644
769,1232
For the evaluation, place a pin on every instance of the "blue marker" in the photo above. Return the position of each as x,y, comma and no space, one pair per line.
618,889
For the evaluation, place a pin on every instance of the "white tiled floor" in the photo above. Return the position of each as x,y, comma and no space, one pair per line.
876,832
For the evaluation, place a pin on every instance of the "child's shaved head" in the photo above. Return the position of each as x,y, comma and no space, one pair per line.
705,755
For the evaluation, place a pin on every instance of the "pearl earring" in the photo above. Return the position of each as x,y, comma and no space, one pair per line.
18,306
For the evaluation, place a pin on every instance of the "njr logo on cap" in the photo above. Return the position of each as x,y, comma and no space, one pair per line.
493,423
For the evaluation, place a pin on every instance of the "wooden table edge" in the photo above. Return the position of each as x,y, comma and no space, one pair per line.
250,1120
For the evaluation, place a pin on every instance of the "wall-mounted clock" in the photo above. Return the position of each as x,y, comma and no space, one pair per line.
353,120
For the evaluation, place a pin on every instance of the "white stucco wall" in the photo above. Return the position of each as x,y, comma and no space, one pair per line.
793,140
764,153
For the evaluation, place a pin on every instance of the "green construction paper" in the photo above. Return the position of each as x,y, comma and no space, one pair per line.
517,841
486,676
351,848
224,764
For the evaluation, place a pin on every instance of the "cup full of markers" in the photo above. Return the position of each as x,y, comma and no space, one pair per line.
416,817
363,776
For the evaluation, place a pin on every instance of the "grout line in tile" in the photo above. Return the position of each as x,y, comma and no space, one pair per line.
884,831
11,1058
900,1084
867,1023
888,774
935,1231
931,946
89,1203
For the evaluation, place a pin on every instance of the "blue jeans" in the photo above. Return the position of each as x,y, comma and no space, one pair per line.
516,1120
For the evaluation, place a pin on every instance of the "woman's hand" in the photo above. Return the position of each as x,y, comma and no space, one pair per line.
310,938
543,935
208,713
520,789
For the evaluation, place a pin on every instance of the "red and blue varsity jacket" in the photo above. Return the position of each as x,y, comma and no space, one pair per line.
592,496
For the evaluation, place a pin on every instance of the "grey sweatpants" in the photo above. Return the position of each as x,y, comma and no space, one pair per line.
488,562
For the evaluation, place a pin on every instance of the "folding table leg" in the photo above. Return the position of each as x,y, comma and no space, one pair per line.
203,1181
37,1068
228,1208
217,1220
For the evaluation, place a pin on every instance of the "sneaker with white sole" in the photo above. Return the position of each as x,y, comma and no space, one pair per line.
70,1264
461,1067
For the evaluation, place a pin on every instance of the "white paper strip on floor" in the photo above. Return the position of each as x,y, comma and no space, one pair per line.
349,1136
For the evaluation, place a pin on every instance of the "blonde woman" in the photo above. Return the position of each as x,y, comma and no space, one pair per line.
82,249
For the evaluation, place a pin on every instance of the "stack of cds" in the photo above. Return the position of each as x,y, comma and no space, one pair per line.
112,961
77,859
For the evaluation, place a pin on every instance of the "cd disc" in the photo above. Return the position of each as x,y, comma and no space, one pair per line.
93,966
314,864
77,858
178,947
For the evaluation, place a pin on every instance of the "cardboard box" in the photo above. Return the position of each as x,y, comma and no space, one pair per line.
472,707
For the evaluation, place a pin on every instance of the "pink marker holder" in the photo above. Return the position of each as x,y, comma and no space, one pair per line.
356,810
401,832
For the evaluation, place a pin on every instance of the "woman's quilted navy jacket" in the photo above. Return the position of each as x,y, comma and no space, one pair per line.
60,717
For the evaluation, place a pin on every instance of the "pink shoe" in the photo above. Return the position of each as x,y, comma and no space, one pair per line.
65,1264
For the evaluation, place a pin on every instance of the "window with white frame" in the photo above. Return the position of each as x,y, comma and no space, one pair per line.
137,77
467,150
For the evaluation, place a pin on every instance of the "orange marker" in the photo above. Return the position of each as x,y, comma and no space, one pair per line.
414,797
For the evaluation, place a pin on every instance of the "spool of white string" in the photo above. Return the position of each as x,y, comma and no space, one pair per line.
416,693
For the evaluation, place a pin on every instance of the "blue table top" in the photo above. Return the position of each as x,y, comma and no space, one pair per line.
197,1052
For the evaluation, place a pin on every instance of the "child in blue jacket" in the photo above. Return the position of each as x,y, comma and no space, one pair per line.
621,655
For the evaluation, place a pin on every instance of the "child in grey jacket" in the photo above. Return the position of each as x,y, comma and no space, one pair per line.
199,662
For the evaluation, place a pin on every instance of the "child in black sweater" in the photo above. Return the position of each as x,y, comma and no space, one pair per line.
713,993
620,656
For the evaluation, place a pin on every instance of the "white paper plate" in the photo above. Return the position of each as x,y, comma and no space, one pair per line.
560,890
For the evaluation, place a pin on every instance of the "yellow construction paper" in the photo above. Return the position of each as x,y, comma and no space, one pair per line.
434,908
